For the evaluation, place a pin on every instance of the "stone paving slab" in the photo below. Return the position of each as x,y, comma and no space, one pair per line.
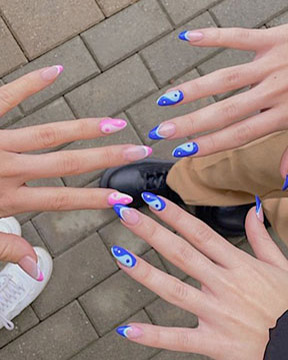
113,347
181,11
110,7
245,13
75,271
126,32
116,298
280,20
169,57
59,337
39,29
61,230
112,91
78,67
12,57
169,355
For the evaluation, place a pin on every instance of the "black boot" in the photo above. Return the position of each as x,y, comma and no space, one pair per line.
147,175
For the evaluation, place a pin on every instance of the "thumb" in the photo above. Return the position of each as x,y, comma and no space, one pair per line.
284,169
15,249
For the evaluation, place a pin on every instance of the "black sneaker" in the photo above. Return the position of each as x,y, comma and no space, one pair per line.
147,175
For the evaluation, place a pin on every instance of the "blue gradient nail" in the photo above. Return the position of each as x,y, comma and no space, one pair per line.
123,330
171,98
119,209
183,35
154,134
285,186
185,150
123,256
258,205
154,201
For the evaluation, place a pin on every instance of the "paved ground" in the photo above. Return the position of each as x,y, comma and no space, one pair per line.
119,55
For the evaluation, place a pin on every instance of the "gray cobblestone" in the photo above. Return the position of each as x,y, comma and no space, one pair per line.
279,20
112,91
77,68
59,337
169,355
31,235
74,272
113,347
170,57
246,13
110,7
125,33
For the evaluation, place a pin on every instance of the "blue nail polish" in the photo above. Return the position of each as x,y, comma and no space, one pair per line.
285,186
185,150
122,330
123,256
154,201
258,205
171,98
119,209
183,35
154,134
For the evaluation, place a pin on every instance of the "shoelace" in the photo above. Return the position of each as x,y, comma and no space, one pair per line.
9,291
155,180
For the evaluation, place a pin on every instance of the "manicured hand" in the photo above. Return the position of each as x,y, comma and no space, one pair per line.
241,297
267,77
17,167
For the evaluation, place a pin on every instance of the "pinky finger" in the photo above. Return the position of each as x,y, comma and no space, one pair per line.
175,339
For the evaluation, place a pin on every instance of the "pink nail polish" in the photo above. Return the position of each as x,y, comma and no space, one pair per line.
29,265
119,198
52,72
109,126
129,331
191,36
135,153
167,130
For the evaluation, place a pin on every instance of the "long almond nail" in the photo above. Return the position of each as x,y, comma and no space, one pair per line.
259,209
285,186
119,198
135,153
162,131
128,215
130,332
29,265
52,72
191,36
109,126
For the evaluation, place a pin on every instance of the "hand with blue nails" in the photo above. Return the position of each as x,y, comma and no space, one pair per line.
242,297
240,119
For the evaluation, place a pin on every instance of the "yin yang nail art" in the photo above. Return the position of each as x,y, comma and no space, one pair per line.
119,198
285,186
123,256
171,98
110,126
184,150
123,330
154,201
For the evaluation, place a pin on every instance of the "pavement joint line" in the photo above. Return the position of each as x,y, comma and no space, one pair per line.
166,13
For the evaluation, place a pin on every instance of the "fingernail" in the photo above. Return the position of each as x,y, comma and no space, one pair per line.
130,216
171,98
119,198
135,153
52,72
154,201
29,265
109,126
185,150
162,131
123,256
191,36
130,332
285,186
259,209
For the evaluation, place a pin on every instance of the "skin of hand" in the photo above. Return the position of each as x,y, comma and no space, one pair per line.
241,296
18,167
266,76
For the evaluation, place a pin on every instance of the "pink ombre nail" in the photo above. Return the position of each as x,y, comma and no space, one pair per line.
119,198
109,126
30,266
52,72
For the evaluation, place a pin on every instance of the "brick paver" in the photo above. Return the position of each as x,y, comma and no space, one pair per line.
119,57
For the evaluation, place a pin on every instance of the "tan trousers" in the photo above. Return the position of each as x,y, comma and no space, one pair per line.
234,177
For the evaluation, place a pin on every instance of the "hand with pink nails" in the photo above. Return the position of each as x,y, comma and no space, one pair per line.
18,167
246,116
241,298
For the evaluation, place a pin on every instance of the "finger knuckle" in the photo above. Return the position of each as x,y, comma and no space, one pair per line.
7,99
109,156
184,339
242,134
179,291
61,201
183,255
69,164
47,137
231,78
203,235
230,111
242,34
